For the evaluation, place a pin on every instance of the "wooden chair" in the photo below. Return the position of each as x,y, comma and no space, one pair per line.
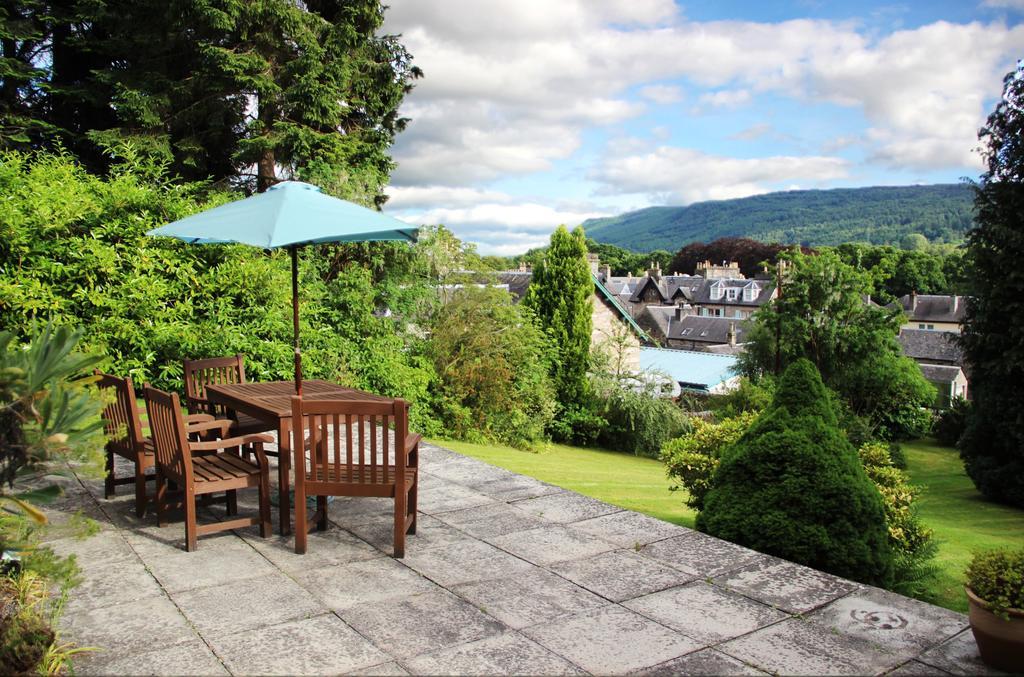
217,370
349,454
202,468
127,438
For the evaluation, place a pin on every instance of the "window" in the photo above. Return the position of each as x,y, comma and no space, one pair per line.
732,293
716,291
931,326
716,312
750,292
686,332
738,314
920,326
703,312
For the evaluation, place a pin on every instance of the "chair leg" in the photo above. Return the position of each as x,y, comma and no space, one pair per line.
413,495
265,504
140,490
300,519
232,502
321,506
161,499
401,507
191,535
108,481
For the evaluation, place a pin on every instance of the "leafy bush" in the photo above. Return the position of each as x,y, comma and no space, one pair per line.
997,576
951,422
749,396
911,541
639,421
492,369
793,487
691,460
577,425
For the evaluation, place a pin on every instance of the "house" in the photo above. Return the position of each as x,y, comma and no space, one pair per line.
698,332
690,371
950,381
926,346
732,298
932,312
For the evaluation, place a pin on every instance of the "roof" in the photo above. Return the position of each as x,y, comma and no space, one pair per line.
517,282
940,373
706,329
932,308
702,371
657,318
702,295
933,346
603,292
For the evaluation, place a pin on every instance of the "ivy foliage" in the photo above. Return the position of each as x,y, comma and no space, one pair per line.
793,486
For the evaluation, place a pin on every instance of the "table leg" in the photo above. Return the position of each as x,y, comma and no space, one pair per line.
284,464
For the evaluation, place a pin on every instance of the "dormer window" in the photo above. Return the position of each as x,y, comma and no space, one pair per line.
732,293
686,331
750,292
717,291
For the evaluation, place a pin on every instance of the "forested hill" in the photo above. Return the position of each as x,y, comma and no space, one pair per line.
880,215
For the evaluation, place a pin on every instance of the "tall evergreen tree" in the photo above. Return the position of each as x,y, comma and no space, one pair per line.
560,295
992,446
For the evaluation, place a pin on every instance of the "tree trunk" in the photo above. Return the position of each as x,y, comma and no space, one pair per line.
266,174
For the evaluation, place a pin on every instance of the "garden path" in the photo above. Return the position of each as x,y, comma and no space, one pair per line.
506,575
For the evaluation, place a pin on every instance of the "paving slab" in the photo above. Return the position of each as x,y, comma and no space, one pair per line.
430,533
219,559
488,521
464,562
796,646
194,658
515,488
323,548
507,654
704,662
469,471
705,612
389,668
115,582
128,628
528,598
246,604
916,669
322,645
792,587
449,496
549,544
96,551
901,626
628,529
958,656
565,506
371,581
411,626
699,554
621,574
611,640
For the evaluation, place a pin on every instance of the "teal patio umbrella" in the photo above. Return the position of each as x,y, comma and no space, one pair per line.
290,214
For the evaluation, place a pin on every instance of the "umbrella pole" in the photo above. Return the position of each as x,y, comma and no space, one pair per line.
295,318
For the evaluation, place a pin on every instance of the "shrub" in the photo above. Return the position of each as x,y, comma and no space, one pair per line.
577,425
749,396
951,422
911,541
997,576
639,421
691,460
793,487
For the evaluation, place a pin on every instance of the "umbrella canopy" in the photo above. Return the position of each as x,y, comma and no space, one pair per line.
289,214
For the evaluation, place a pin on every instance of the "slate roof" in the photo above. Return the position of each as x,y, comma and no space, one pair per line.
692,288
702,295
711,330
931,346
656,319
933,308
701,371
940,373
517,282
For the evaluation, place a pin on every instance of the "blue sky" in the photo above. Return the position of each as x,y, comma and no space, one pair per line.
534,113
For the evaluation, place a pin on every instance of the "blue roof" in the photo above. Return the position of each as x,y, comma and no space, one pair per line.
704,370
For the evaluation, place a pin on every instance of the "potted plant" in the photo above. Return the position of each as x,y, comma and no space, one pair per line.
995,596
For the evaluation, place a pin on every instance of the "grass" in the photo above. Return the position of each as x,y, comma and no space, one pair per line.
962,519
627,481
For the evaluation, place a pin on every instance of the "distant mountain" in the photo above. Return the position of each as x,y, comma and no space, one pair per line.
880,215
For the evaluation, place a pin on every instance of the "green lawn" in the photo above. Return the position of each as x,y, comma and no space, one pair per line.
963,521
627,481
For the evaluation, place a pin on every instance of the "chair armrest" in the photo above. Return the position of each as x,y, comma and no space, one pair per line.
222,425
412,441
198,418
217,445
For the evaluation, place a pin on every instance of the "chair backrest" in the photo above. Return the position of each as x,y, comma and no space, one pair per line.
121,420
167,424
353,433
210,371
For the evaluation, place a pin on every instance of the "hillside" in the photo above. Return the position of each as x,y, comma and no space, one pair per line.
880,215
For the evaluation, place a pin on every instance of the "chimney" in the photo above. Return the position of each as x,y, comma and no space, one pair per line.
654,271
629,274
913,300
605,271
955,304
523,267
594,261
732,334
683,310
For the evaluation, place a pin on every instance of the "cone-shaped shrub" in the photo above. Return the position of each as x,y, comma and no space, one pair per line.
794,487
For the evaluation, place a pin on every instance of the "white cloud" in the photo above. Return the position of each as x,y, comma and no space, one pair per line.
681,176
663,94
724,99
1004,4
753,132
423,197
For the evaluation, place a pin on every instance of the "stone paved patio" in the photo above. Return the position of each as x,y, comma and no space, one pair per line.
507,575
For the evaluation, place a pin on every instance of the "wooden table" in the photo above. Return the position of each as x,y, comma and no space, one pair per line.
271,401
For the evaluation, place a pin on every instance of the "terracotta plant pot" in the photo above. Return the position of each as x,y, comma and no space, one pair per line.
1000,641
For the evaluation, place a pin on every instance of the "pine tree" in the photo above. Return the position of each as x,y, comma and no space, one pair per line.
560,296
993,338
794,487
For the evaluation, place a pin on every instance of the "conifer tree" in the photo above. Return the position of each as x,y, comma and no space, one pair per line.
794,487
992,446
560,296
